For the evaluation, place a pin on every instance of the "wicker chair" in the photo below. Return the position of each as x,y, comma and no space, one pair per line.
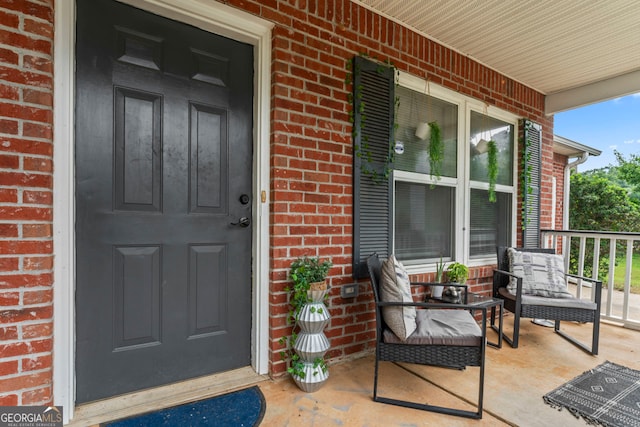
456,353
536,307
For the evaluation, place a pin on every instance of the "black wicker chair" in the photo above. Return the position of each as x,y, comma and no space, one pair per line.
457,353
556,309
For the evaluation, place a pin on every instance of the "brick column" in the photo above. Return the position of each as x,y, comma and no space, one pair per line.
26,178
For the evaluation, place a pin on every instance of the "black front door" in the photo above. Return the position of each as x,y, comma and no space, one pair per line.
163,194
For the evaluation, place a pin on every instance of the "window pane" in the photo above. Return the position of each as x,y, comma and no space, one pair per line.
487,128
423,221
414,108
490,223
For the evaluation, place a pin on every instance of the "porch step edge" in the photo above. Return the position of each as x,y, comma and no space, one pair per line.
140,402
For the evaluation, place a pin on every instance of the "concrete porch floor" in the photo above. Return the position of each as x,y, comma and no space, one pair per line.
515,381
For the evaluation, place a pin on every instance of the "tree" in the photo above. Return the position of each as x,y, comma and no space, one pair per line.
629,172
598,203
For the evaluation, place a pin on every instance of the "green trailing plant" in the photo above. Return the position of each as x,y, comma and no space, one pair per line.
457,272
436,150
363,150
492,168
305,271
296,367
295,363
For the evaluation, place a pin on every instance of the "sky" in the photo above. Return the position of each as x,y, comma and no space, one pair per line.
607,126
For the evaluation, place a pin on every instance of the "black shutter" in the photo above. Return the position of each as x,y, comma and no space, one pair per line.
373,125
531,184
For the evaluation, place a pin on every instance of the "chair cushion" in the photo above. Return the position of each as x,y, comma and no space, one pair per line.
442,327
395,287
542,274
551,302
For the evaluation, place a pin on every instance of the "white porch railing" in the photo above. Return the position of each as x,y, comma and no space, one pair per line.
620,306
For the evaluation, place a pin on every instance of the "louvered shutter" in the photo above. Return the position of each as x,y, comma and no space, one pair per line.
531,199
373,107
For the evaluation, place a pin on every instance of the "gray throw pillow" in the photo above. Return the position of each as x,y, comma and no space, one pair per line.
396,287
542,274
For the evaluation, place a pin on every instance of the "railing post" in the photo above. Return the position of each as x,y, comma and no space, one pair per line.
612,270
583,243
595,268
627,280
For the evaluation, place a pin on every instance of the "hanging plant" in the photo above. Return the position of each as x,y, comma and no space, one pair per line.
492,168
436,150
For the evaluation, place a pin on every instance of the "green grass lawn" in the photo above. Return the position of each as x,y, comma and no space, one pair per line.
620,272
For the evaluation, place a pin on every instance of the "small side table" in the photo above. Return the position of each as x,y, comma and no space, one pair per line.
490,302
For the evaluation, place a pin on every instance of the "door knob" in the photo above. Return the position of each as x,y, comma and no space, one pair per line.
242,222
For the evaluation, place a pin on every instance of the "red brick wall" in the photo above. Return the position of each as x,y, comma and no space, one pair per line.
311,187
559,164
26,249
311,163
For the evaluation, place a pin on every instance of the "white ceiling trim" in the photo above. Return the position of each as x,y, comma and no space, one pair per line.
612,88
576,52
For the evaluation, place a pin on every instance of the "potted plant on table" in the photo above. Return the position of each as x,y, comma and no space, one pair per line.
456,273
310,316
436,291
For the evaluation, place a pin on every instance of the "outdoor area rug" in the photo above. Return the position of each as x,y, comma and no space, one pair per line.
239,408
607,395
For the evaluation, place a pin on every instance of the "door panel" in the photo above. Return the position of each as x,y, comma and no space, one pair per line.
205,263
136,285
163,153
208,172
137,144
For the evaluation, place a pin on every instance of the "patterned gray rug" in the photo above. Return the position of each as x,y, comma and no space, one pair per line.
607,395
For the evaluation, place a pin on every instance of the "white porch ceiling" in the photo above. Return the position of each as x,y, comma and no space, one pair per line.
576,52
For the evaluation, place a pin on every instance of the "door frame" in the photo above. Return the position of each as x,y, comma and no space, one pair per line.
216,18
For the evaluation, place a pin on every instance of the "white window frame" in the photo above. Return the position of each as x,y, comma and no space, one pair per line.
462,182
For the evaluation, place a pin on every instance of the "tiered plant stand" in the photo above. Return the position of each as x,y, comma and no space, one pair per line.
311,343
